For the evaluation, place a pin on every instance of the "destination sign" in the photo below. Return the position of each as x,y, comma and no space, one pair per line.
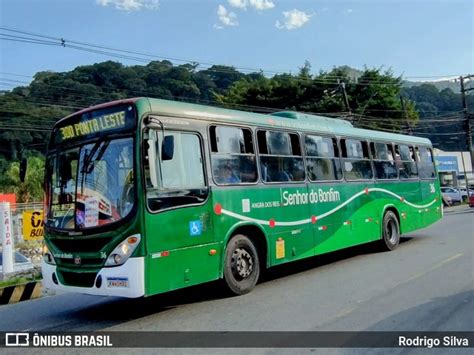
95,123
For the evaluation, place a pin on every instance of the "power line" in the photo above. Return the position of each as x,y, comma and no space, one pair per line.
14,74
32,41
141,56
186,98
150,94
102,95
259,108
378,121
24,130
447,124
457,134
394,129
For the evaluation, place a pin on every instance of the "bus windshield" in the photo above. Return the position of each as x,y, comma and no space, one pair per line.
90,185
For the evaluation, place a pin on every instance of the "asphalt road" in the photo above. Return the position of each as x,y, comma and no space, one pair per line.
427,284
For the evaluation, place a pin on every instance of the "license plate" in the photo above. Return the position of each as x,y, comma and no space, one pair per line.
117,282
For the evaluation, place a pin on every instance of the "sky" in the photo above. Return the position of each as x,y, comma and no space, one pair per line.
414,38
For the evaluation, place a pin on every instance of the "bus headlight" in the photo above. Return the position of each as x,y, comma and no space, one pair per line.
122,252
47,256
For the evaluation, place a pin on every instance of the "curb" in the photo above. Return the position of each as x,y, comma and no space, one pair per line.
458,208
19,293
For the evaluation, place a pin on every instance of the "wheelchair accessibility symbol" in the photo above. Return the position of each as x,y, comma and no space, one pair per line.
195,228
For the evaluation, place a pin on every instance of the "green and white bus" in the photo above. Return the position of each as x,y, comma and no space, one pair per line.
144,196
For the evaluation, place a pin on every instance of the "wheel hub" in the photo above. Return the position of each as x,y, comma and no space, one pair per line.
242,263
390,231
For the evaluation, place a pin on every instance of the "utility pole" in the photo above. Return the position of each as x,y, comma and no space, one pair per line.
467,122
404,108
344,93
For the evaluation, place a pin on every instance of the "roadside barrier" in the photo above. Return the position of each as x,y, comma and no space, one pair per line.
19,293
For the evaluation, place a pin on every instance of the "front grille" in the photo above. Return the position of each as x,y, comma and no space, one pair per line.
83,279
80,245
84,262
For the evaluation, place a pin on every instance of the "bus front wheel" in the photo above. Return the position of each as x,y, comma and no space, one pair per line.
242,266
390,231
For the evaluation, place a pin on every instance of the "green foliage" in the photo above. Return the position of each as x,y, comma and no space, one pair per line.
29,245
36,276
374,98
27,113
32,188
429,102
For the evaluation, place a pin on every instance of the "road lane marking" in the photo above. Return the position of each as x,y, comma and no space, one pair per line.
344,312
434,267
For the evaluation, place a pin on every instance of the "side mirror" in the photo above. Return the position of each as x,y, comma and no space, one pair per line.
167,148
23,166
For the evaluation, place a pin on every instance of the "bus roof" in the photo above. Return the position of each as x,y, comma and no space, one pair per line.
286,119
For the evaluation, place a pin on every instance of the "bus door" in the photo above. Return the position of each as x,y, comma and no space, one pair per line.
178,225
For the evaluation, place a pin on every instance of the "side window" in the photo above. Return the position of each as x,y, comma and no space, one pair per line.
384,161
322,158
356,161
405,158
232,155
174,177
426,167
280,156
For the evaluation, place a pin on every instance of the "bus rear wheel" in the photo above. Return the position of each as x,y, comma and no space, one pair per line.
390,231
242,265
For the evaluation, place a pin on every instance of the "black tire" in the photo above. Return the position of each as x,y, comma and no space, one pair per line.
390,231
241,265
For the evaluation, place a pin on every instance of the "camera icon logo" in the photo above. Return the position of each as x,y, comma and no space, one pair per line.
17,339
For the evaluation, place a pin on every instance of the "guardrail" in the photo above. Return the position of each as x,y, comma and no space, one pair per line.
21,292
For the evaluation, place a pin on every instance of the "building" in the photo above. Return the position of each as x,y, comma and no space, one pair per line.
451,167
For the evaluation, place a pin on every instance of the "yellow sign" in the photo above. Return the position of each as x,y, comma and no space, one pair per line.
280,248
33,225
99,124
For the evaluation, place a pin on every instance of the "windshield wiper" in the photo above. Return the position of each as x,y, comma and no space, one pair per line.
88,165
102,150
88,157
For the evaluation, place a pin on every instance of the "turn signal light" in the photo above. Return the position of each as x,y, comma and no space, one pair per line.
132,240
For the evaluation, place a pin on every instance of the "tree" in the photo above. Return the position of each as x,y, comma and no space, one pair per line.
374,98
305,71
223,76
31,189
444,105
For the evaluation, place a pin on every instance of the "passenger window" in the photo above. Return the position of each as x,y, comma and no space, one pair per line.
280,156
356,161
384,161
405,159
232,155
322,161
426,167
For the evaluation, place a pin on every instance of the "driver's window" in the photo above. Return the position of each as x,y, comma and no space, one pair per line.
176,180
185,169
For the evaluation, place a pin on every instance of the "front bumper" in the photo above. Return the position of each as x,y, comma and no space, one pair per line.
113,280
